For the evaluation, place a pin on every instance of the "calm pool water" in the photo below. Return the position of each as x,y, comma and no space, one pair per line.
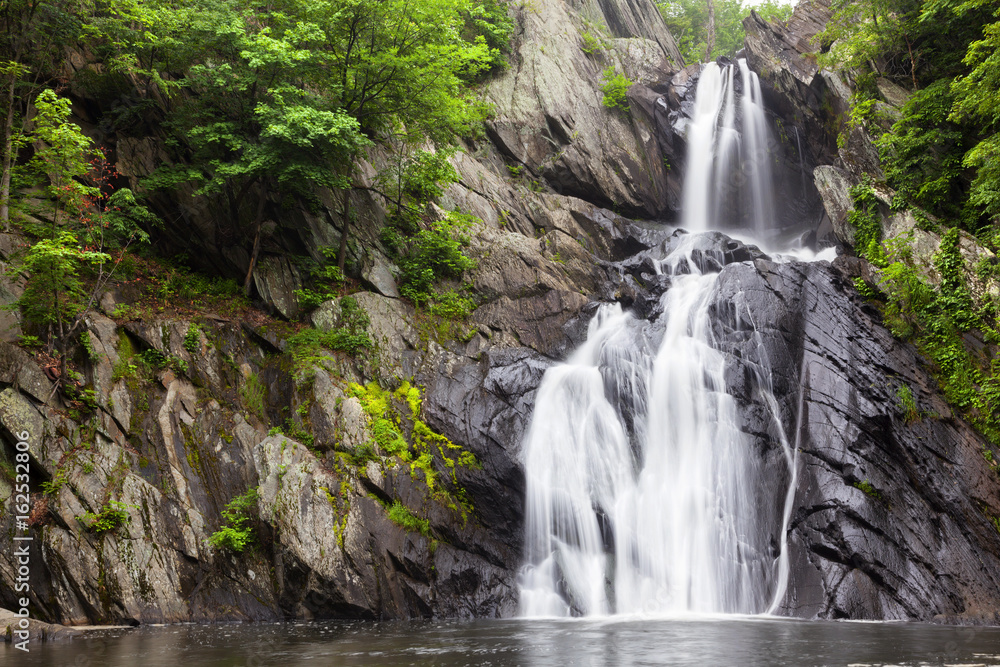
701,641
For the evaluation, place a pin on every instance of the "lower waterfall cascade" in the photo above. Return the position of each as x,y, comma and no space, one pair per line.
643,494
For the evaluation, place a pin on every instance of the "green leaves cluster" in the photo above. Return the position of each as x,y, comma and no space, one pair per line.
111,517
283,99
55,293
403,516
615,86
435,254
239,515
866,220
350,336
397,428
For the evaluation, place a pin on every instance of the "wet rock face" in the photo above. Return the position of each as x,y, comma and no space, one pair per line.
888,519
175,448
794,85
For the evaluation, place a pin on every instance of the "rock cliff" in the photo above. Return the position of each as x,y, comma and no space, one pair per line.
406,499
186,416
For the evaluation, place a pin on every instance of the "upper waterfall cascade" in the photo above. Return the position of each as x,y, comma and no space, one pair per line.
643,494
728,178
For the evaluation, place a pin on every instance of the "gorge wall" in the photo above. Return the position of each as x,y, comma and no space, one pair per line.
551,182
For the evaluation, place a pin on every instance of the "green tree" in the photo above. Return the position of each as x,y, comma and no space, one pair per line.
86,224
54,295
33,36
706,30
977,99
282,102
63,155
942,154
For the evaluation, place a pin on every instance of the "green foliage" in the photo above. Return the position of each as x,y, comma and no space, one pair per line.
591,45
29,342
64,156
86,341
124,368
688,23
401,515
426,175
382,419
615,86
295,432
866,221
976,99
489,21
254,395
309,299
325,277
289,98
192,338
68,266
907,404
111,517
941,155
393,415
866,488
55,292
435,254
922,155
237,533
52,487
866,290
351,336
451,305
178,283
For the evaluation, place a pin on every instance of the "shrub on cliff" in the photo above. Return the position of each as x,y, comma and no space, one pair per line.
236,533
615,86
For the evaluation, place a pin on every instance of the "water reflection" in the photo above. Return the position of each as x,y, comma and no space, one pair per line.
589,643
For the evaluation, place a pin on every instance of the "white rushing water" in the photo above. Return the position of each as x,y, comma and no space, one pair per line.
643,495
728,179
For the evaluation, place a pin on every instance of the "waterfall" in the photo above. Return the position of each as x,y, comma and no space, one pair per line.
802,160
728,178
757,158
643,495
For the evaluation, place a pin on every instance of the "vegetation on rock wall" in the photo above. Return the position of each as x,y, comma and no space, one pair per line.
397,430
237,533
938,154
262,107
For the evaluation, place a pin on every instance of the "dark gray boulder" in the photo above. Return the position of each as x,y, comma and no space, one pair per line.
891,514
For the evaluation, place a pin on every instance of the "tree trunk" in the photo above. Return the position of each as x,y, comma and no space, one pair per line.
258,223
345,214
8,156
913,63
710,37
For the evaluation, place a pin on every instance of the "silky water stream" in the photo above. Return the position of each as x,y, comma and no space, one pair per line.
643,495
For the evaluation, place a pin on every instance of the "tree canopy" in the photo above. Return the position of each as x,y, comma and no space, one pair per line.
688,21
942,153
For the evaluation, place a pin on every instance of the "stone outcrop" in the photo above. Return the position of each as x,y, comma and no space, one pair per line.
891,515
551,122
784,56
